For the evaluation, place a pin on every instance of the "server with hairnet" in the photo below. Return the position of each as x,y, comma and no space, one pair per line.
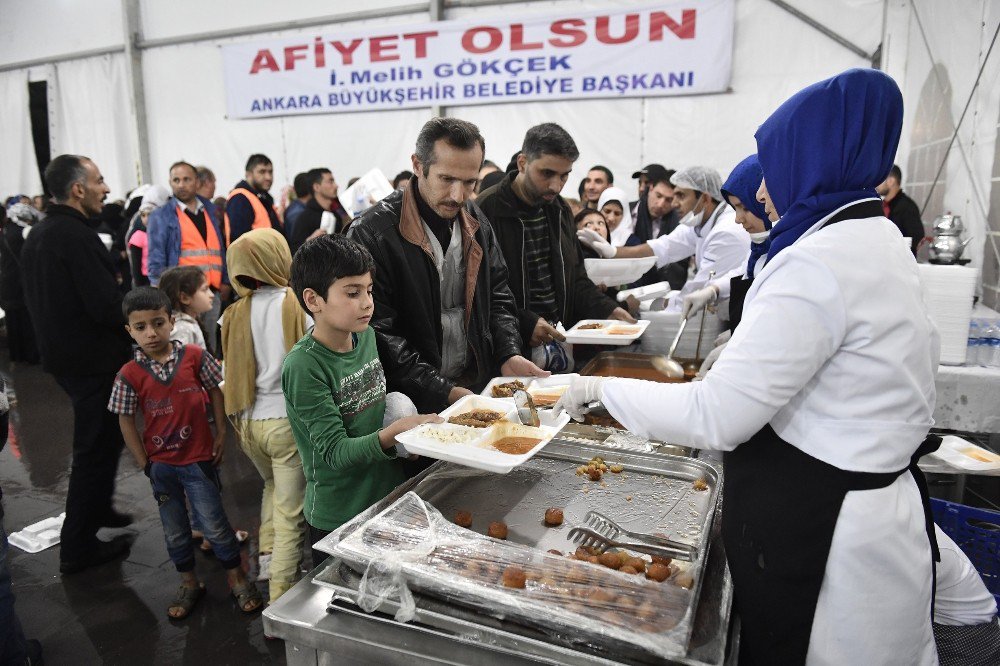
708,231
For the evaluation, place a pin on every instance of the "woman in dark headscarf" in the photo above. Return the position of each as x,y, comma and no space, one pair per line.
822,399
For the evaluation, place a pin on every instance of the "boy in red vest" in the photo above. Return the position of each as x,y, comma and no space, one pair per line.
177,450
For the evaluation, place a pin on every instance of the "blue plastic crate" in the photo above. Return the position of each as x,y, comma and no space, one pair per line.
977,533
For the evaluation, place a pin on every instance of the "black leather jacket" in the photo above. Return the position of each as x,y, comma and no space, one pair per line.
407,293
577,297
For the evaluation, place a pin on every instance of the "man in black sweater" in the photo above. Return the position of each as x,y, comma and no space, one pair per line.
75,305
901,209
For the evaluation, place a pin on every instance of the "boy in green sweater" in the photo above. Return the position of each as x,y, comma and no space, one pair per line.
335,389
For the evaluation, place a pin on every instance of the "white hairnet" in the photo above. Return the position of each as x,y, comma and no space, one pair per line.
702,179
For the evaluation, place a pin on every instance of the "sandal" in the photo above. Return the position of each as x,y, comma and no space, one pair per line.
247,593
186,599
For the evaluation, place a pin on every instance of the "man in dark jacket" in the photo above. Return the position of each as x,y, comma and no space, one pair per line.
901,209
322,193
535,231
75,305
444,317
250,204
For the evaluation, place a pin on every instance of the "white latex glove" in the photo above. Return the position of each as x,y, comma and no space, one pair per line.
709,361
582,392
697,300
723,338
596,242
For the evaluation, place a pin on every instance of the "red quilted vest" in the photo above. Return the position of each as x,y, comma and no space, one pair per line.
176,422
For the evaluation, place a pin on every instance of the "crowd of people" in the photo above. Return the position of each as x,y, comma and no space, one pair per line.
339,334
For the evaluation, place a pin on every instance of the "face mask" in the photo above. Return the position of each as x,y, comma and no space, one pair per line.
692,219
759,237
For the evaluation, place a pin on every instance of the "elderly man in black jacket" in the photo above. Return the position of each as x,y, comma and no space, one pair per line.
535,231
445,319
75,305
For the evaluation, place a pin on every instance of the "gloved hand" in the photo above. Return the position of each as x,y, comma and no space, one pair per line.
697,300
596,242
710,360
581,393
722,338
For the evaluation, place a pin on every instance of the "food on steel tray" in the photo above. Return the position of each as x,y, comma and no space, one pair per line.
658,572
700,484
515,445
463,519
497,530
514,577
611,560
596,467
589,327
477,418
659,559
506,390
604,420
553,517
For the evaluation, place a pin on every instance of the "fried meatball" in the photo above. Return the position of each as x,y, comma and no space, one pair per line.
637,563
594,473
627,569
611,560
497,530
581,553
700,484
514,577
658,572
553,517
463,519
659,559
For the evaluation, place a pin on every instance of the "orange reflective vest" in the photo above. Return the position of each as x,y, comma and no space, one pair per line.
261,220
205,253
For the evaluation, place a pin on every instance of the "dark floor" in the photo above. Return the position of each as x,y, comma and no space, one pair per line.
116,613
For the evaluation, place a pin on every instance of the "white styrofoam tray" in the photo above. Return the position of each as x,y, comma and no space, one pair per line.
615,272
533,385
39,536
955,451
602,336
477,453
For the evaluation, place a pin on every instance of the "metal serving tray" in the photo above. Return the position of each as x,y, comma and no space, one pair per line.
654,494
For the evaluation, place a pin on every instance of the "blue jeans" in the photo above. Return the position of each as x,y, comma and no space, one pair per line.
12,643
199,482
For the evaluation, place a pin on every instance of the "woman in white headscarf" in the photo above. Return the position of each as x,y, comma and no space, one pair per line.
614,205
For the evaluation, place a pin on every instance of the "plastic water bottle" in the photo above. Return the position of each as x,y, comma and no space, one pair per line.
993,354
972,350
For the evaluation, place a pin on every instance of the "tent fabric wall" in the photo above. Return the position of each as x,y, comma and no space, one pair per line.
20,171
936,58
91,117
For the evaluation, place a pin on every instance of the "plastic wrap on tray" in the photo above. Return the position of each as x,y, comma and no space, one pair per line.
411,546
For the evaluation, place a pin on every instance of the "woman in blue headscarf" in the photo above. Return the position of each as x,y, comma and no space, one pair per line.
822,399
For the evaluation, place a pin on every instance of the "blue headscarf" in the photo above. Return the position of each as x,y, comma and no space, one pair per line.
828,145
743,182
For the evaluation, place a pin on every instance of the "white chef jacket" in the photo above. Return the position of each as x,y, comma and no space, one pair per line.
836,351
720,244
960,596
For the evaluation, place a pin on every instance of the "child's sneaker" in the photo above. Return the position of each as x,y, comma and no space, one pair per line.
264,567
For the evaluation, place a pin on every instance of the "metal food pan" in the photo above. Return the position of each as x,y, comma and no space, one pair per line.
628,365
654,494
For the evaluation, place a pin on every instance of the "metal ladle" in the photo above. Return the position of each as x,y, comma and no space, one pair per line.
666,364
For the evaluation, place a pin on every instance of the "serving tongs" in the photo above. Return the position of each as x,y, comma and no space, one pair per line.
588,537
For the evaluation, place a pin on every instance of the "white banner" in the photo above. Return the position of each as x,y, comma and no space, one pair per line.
671,48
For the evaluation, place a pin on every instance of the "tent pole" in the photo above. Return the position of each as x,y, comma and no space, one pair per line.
137,93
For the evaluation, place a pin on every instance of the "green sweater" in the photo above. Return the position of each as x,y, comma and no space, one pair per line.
336,402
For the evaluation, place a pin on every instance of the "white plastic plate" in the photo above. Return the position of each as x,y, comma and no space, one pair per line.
478,453
603,335
955,451
488,391
615,272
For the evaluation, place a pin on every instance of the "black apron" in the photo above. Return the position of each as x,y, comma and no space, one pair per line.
780,508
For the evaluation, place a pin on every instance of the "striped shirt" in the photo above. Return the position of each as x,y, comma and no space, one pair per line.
538,266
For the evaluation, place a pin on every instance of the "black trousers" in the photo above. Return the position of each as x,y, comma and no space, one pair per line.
315,534
97,446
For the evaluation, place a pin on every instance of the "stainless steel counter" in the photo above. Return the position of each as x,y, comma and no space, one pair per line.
317,631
